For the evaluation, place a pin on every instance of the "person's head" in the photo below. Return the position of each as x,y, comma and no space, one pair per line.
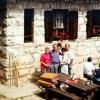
59,45
46,50
89,59
63,50
55,47
67,46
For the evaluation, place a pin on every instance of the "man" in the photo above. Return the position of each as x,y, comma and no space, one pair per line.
70,57
54,59
45,61
88,69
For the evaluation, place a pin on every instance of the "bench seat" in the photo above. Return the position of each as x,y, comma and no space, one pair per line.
51,92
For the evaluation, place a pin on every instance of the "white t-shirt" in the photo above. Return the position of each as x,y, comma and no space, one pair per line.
63,59
69,55
88,68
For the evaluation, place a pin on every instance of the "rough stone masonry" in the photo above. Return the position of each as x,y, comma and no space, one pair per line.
23,58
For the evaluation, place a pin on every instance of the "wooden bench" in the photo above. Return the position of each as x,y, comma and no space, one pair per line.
55,92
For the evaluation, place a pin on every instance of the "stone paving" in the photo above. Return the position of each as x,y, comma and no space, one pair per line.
27,92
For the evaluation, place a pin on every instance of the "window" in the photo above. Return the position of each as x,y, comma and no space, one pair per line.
58,18
28,25
60,24
93,23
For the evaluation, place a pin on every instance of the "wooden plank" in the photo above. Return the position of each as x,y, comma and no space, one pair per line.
81,85
68,95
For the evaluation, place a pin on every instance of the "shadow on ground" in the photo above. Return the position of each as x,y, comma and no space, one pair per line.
41,94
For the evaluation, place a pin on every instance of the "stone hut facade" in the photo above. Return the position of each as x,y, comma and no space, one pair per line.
28,26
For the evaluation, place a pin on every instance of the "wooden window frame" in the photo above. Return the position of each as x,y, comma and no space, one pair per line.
70,23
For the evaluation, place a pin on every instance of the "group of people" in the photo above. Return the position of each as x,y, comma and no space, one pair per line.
59,59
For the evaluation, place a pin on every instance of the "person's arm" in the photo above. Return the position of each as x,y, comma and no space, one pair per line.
60,60
46,65
71,61
72,58
42,61
93,70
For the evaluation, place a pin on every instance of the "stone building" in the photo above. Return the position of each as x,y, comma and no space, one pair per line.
27,26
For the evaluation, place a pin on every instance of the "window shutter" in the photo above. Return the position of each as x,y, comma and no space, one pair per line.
66,23
48,26
89,24
73,25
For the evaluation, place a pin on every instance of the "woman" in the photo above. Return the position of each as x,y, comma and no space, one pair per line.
63,62
45,61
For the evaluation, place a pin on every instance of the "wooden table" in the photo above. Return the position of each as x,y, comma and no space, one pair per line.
81,88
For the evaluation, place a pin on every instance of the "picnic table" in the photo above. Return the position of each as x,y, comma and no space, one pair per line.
79,90
82,88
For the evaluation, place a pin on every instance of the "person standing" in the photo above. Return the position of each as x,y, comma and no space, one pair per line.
70,57
63,62
54,59
45,61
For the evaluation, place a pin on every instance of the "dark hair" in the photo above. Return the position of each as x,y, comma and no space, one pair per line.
59,44
54,45
63,49
89,59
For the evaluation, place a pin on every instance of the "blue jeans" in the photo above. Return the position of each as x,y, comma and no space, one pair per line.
54,68
97,75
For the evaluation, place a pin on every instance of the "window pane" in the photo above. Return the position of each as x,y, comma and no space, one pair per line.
58,19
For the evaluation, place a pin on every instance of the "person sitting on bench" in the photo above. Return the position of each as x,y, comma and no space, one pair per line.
88,69
90,72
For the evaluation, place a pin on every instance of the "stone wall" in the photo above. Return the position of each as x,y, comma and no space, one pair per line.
3,12
16,51
19,60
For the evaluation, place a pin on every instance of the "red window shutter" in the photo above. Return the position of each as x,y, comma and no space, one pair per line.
73,25
48,25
